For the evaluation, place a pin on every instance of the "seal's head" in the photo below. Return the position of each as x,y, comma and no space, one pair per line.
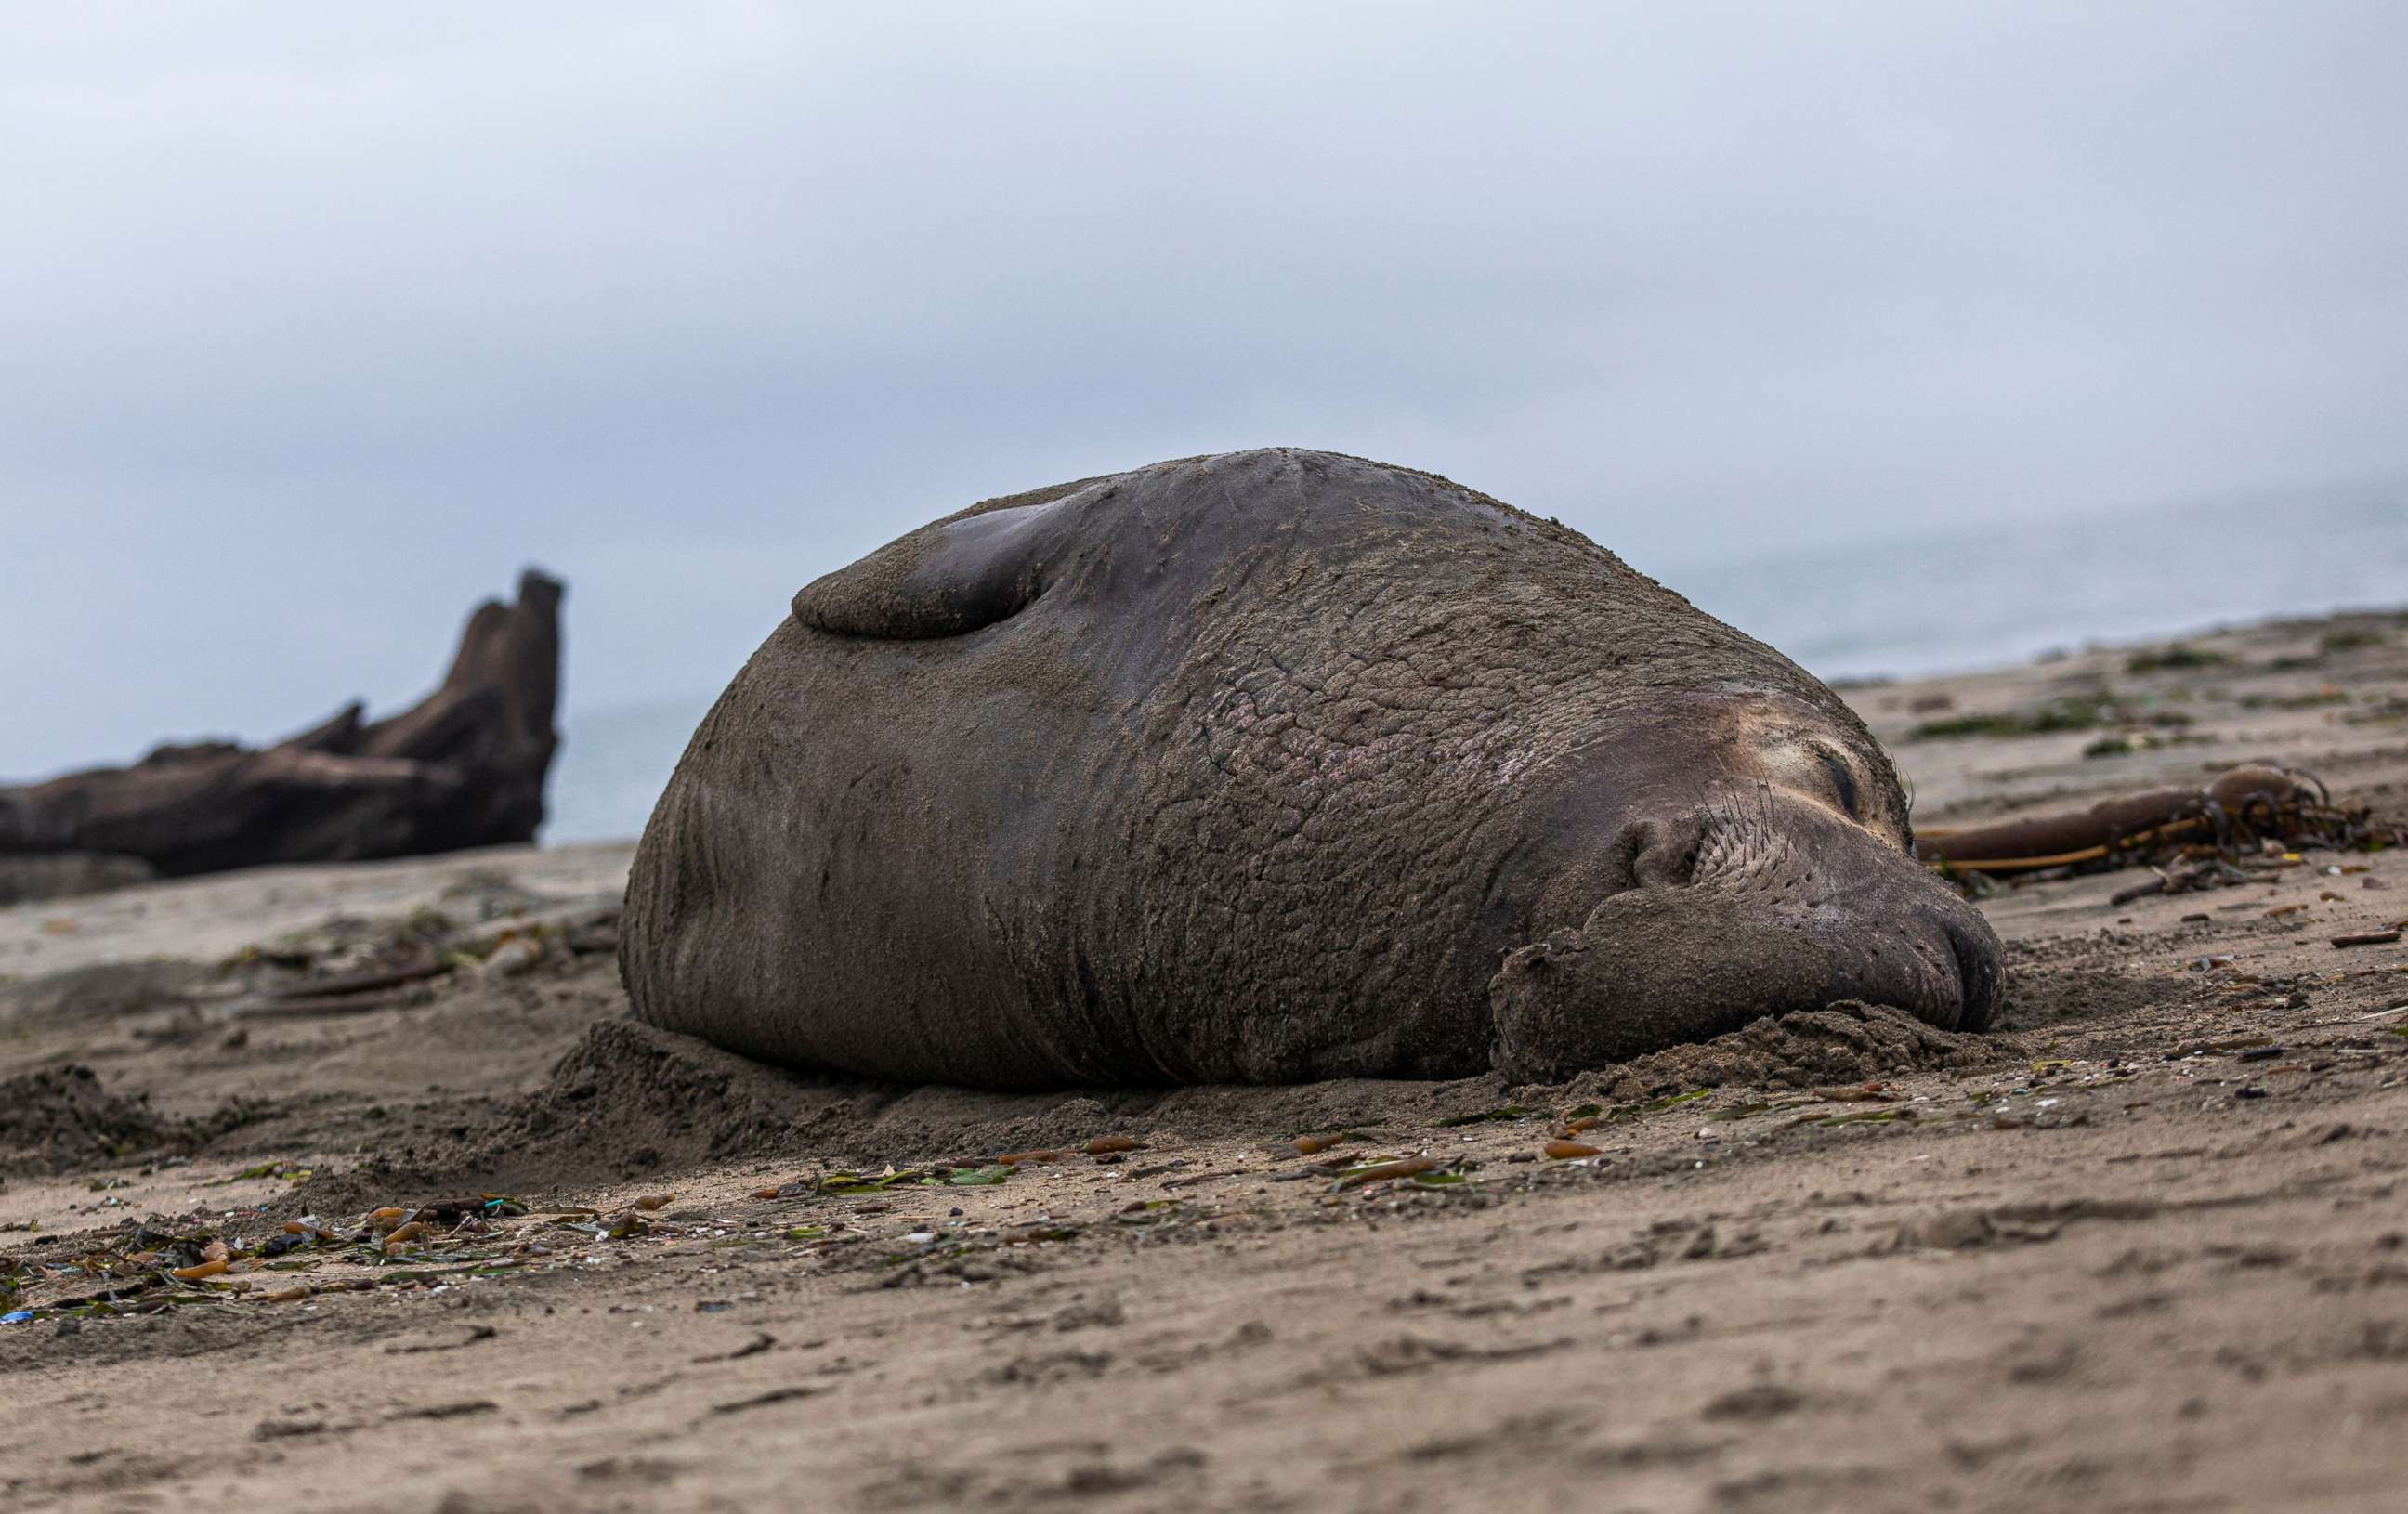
1738,853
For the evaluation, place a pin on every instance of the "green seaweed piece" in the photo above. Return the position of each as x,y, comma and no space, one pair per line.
1510,1112
843,1184
1867,1117
1150,1212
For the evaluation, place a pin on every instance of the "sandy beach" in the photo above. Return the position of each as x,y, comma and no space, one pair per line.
2141,1247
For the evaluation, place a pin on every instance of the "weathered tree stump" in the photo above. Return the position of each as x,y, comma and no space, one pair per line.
463,767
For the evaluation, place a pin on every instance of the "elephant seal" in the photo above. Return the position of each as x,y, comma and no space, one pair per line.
1269,766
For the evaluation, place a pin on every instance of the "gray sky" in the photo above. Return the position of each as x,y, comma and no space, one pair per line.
318,322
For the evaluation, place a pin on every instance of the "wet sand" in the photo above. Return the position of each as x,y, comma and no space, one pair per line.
2141,1247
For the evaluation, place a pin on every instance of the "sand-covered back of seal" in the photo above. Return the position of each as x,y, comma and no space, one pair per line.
1229,791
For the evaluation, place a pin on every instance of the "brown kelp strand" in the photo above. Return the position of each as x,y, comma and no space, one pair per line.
2251,819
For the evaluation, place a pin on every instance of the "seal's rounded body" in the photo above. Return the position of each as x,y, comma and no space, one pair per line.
1267,767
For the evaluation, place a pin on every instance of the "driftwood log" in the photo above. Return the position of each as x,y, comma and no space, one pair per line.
463,767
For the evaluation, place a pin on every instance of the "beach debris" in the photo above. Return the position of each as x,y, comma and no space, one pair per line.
842,1184
775,1396
148,1267
1510,1111
1878,1093
1150,1212
2251,818
348,967
1311,1145
2361,938
2139,891
1561,1150
846,1183
330,1003
2124,743
2174,656
1381,1172
1591,1115
2071,713
1107,1145
463,767
1858,1117
512,955
351,983
1193,1179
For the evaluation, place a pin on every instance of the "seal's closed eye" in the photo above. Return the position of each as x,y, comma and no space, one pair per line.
1844,782
945,579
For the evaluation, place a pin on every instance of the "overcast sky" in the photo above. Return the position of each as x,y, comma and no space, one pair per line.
320,320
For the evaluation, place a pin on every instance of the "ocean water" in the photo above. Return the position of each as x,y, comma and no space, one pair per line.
1951,601
1898,605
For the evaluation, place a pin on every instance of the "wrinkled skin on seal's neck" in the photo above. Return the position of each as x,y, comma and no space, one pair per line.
1269,766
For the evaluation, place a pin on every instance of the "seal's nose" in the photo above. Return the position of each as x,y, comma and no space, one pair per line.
1660,854
1979,980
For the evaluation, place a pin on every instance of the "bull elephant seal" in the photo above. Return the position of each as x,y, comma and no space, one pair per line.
1267,767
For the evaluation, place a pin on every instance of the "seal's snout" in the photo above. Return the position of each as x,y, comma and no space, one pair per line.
1732,913
1979,978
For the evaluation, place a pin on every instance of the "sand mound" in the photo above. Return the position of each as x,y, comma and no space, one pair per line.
1843,1043
62,1118
628,1100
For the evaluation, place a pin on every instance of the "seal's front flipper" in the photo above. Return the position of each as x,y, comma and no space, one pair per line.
945,579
